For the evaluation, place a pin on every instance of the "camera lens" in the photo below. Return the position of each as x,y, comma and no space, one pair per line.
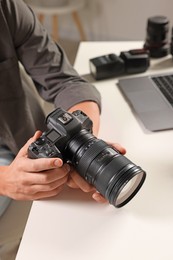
112,174
157,36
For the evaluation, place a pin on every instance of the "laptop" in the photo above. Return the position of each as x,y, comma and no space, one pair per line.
151,98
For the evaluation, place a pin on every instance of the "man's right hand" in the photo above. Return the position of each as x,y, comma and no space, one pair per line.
30,179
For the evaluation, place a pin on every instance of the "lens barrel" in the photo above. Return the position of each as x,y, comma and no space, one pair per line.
112,174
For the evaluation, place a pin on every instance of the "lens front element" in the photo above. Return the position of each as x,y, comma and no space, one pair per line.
129,188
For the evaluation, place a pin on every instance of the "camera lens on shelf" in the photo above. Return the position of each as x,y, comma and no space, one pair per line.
157,36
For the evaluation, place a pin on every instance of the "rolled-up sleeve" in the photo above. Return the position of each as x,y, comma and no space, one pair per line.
45,61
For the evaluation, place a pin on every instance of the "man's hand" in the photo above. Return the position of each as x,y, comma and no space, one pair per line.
30,179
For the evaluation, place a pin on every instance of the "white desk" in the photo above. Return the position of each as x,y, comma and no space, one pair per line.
74,227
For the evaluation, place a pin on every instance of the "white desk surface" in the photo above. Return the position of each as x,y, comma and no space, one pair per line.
74,227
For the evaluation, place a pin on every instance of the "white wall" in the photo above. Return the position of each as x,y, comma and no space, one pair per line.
116,19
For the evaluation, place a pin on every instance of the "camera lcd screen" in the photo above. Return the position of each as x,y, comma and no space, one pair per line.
53,136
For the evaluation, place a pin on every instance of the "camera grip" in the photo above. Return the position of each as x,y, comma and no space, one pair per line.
42,149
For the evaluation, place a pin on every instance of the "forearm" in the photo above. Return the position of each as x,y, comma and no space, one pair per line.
91,109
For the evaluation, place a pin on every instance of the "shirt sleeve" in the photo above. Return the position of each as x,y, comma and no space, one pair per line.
45,61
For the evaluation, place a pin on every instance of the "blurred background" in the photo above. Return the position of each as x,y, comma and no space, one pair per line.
98,20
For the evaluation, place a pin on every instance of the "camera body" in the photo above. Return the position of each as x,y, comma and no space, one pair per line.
111,65
70,138
63,127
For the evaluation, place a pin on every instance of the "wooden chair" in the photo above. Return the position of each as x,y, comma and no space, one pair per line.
55,9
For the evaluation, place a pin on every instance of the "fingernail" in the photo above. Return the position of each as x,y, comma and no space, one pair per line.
58,162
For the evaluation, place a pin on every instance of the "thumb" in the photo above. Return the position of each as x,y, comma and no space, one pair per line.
24,150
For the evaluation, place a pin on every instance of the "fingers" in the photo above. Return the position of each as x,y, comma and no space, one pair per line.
46,187
41,164
49,186
79,182
39,194
76,181
49,194
72,184
27,185
99,198
47,177
50,176
117,146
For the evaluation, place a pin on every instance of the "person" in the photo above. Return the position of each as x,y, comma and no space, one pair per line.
22,180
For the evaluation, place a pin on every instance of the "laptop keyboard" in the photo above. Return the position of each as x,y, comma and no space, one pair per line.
165,84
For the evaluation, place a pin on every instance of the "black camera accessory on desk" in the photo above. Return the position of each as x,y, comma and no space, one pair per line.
70,138
157,42
111,65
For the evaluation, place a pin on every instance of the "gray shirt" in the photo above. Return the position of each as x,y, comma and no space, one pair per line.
24,39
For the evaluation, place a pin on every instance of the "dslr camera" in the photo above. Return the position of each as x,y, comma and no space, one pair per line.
70,138
111,65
